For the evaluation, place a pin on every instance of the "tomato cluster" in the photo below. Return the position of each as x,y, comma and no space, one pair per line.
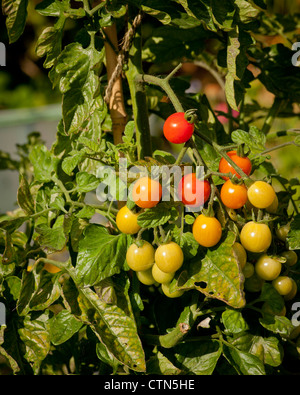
158,266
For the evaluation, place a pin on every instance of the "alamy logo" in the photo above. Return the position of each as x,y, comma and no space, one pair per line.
296,56
2,314
2,54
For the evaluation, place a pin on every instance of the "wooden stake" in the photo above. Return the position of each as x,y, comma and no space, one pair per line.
116,102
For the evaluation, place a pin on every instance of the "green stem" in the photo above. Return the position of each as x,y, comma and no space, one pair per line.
275,148
165,85
139,99
272,115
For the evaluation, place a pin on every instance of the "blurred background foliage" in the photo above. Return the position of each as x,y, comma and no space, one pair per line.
24,85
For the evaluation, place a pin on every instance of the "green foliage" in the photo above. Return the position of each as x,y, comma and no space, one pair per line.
93,301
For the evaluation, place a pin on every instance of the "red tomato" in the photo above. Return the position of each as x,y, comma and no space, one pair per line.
192,191
233,195
177,129
243,162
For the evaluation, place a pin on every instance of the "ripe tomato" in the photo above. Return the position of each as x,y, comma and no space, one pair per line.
207,231
177,129
267,268
140,258
126,221
233,195
192,191
146,193
243,162
255,237
261,194
169,257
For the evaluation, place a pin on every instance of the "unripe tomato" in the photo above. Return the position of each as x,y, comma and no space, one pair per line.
240,254
248,270
169,257
244,163
140,258
207,231
254,283
255,237
166,290
283,285
145,277
177,129
126,221
192,191
261,194
293,292
272,209
267,267
282,232
160,276
146,193
291,257
233,195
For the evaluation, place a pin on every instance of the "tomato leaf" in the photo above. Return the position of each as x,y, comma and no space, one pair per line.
217,274
113,323
100,255
16,14
158,215
63,326
234,321
293,237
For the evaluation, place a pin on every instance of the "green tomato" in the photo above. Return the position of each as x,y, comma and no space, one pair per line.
291,257
253,283
248,270
160,276
267,267
240,254
145,277
140,258
166,290
169,257
283,285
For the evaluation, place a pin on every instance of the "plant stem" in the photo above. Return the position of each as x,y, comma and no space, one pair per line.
272,115
275,148
165,85
139,99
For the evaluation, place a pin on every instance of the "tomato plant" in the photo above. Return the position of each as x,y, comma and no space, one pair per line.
151,277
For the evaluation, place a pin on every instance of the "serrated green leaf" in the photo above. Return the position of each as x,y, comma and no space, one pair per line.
86,182
16,14
234,321
100,255
161,365
255,139
49,44
70,162
247,363
158,215
277,324
217,274
114,324
200,358
44,163
47,291
24,197
35,336
293,237
63,326
267,349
